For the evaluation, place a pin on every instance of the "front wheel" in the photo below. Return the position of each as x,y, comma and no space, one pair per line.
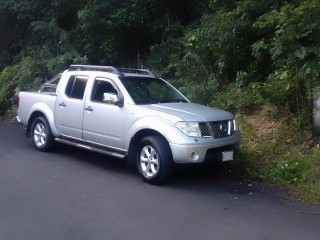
41,134
154,160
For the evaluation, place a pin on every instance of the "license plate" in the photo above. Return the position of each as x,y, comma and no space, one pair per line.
227,156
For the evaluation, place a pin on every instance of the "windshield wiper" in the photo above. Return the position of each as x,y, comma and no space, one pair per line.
161,101
173,101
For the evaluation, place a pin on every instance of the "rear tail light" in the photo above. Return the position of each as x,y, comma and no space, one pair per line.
17,102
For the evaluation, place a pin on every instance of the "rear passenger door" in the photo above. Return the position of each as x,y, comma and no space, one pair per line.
69,106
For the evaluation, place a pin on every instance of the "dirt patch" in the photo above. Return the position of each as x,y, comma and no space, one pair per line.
5,120
261,121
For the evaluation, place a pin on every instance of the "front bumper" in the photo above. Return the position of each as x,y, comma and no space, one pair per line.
205,150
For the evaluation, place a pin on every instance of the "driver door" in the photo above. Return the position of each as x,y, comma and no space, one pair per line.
104,122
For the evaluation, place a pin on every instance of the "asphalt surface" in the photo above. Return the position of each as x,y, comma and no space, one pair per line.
74,194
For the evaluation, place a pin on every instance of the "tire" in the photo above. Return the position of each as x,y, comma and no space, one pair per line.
42,137
154,160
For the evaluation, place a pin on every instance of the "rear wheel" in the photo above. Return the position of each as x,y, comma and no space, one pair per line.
41,134
154,160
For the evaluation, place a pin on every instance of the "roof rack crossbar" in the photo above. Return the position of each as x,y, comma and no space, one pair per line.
137,71
94,67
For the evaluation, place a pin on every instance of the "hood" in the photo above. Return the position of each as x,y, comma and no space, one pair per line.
189,112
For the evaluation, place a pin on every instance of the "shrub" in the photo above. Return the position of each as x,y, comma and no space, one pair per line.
239,100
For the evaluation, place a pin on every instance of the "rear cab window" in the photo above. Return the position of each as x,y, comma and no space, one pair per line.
76,87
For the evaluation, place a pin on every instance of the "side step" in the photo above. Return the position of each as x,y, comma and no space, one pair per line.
90,148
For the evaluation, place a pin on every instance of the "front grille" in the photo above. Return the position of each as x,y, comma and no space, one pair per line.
217,129
205,132
222,129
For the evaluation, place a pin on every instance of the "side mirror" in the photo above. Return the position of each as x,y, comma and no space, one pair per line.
113,98
110,97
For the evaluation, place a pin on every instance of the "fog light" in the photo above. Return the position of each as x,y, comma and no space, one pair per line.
194,156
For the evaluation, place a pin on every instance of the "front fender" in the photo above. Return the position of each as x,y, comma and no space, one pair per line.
163,126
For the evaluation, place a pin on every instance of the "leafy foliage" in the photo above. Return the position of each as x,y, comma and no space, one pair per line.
294,49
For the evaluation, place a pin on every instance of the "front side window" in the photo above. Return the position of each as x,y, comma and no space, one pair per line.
144,90
76,87
100,87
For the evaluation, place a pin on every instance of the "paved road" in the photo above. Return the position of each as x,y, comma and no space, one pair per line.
73,194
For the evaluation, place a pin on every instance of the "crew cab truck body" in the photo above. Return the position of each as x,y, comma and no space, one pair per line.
127,113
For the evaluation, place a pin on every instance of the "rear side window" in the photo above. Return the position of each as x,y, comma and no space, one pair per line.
76,86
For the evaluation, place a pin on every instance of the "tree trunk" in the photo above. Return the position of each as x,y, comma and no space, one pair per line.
316,108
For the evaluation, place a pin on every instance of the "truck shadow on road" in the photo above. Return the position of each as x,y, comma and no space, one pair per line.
208,181
202,179
184,175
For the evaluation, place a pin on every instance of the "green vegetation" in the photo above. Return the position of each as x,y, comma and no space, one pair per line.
251,57
277,152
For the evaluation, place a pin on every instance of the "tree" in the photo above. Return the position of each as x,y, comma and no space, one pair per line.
294,46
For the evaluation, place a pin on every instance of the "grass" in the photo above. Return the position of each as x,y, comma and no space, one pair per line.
274,152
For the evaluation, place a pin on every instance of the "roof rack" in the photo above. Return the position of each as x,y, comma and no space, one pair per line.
110,69
136,71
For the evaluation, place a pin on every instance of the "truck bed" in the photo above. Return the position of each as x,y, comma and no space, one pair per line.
30,102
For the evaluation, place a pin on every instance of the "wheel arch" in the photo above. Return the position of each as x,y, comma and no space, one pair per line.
42,137
41,109
135,140
33,116
36,114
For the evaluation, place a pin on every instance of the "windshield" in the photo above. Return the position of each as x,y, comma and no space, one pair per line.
144,90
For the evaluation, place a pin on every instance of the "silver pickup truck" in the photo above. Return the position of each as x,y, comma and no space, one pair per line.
127,113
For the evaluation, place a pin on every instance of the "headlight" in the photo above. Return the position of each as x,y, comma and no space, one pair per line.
191,129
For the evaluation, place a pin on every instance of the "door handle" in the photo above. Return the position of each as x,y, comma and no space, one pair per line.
62,104
88,109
